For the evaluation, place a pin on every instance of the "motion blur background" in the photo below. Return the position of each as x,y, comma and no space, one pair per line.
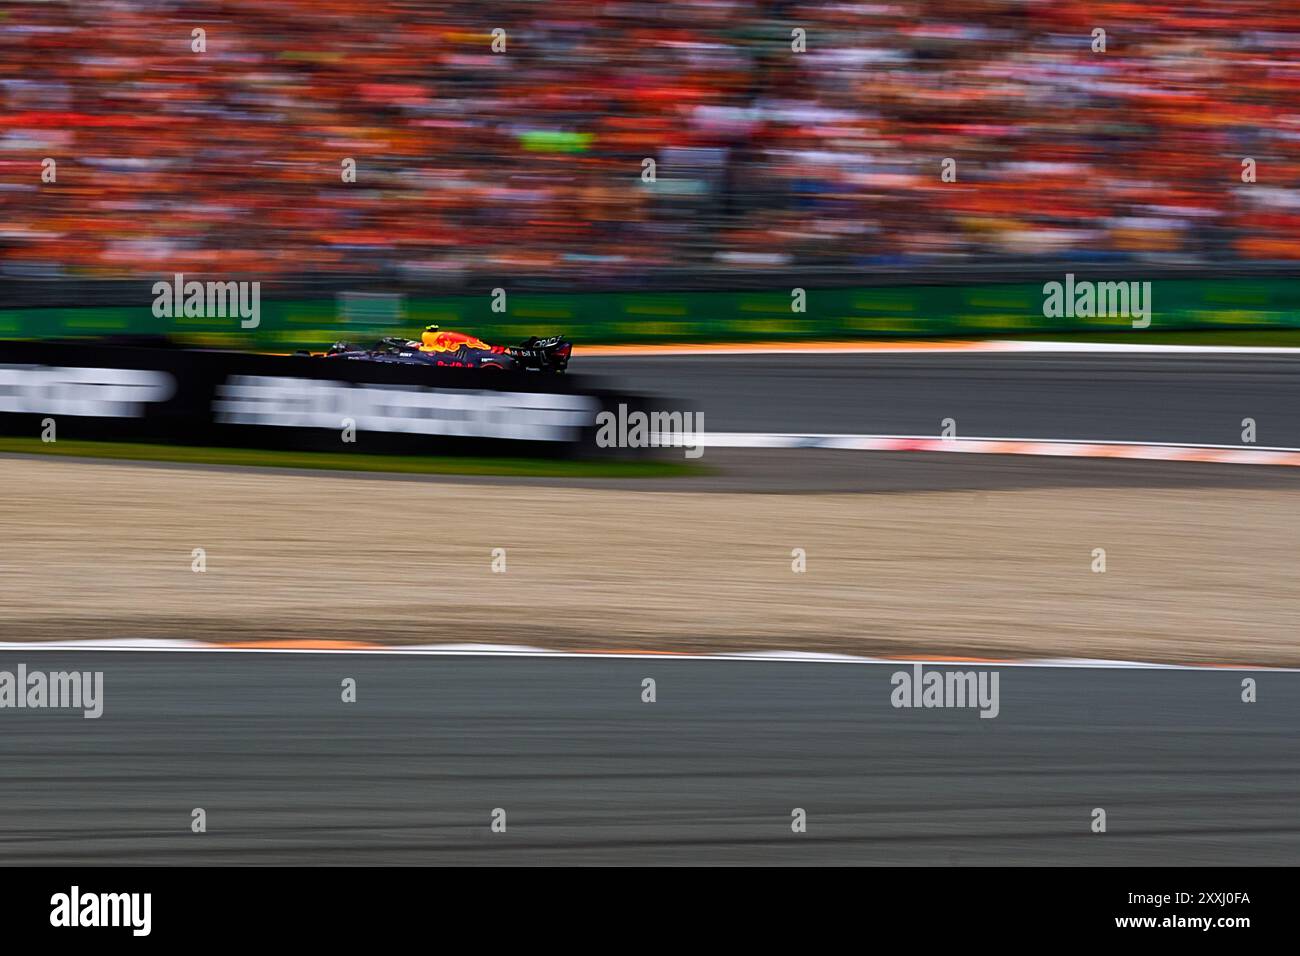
469,161
797,145
776,170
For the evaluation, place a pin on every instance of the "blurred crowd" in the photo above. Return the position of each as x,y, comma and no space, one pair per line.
467,160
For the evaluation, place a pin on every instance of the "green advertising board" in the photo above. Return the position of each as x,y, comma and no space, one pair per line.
647,317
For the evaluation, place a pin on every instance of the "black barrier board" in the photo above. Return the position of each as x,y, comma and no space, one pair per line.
194,397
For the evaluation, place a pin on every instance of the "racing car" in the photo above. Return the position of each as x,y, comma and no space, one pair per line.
446,349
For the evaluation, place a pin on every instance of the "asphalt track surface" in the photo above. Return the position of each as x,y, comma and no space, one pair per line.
588,773
1195,398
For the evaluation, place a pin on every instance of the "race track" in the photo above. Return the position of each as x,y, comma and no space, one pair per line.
588,773
1197,398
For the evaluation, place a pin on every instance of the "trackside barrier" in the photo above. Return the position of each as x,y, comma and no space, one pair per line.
194,397
292,319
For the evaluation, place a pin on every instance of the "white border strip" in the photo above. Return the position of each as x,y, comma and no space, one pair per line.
162,645
1054,447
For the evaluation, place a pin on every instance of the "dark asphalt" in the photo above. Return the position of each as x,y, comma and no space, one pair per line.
587,773
1167,397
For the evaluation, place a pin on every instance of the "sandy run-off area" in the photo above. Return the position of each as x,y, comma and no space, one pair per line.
108,551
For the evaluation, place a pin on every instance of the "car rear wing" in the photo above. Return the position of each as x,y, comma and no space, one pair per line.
547,355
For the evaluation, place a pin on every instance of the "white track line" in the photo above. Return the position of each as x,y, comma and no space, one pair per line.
1052,447
158,645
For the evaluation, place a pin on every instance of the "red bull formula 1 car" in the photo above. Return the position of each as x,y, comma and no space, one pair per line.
445,349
